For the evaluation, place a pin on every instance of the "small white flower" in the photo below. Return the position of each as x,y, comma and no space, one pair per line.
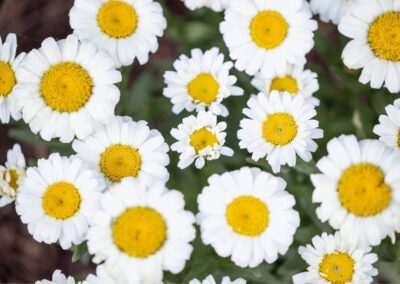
57,278
225,280
358,189
279,127
388,128
57,200
216,5
201,82
331,10
125,148
12,174
200,138
247,215
333,259
127,29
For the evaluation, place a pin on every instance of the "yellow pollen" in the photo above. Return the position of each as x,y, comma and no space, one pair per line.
384,36
247,215
279,128
61,200
66,87
398,138
7,79
362,190
284,84
204,88
139,231
117,19
202,138
13,176
337,268
120,161
268,29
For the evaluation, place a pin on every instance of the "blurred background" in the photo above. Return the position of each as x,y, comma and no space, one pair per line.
346,107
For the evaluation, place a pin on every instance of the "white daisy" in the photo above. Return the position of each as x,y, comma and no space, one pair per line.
333,259
278,127
247,215
265,36
359,189
124,148
216,5
67,89
12,174
388,128
9,64
200,138
57,200
201,82
141,231
295,81
374,27
225,280
330,10
127,29
57,278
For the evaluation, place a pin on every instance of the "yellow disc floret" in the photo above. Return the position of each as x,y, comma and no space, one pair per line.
279,128
362,190
284,84
61,200
66,87
117,19
203,138
204,88
268,29
337,268
139,231
384,36
7,79
247,215
120,161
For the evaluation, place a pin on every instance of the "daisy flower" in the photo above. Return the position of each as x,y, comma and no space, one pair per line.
265,36
332,259
373,27
200,138
359,189
125,148
9,64
388,128
279,127
67,89
57,278
247,214
295,81
127,29
141,231
330,10
201,82
215,5
210,280
12,175
57,200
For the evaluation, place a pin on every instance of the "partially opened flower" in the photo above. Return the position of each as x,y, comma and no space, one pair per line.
67,89
225,280
331,10
388,128
216,5
127,29
57,278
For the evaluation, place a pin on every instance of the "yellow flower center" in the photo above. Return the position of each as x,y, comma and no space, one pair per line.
384,36
279,129
247,215
13,178
268,29
337,268
398,138
284,84
117,19
203,138
204,88
362,190
66,87
139,231
120,161
61,200
7,79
